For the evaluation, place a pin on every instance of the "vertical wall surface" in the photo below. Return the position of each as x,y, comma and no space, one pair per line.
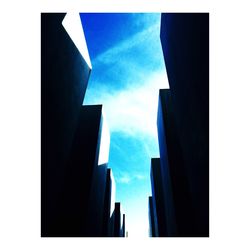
118,221
109,202
123,226
158,197
95,216
82,199
165,170
177,201
78,191
185,44
64,78
151,217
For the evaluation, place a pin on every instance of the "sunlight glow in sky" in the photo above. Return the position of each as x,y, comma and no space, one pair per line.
127,72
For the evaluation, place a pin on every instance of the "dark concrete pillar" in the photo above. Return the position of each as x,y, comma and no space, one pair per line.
118,220
83,197
151,218
158,205
109,204
185,44
177,201
64,78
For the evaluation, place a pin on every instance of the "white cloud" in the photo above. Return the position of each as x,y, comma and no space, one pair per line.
123,178
140,177
133,110
142,20
126,178
112,54
130,101
126,79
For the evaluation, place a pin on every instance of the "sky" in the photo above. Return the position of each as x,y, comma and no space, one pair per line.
127,72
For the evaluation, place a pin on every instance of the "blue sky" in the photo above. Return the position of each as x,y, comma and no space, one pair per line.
127,72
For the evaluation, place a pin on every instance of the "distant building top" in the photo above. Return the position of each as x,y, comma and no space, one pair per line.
73,26
104,142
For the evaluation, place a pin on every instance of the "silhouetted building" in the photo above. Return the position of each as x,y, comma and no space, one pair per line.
158,206
123,225
151,217
183,123
78,189
83,196
64,77
174,182
119,222
108,217
96,203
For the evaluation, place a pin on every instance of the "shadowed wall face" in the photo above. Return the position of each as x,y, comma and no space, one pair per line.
79,173
96,204
158,206
171,165
109,202
185,44
64,78
163,131
83,196
151,218
118,220
123,226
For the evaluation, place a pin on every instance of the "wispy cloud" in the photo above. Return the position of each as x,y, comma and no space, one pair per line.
140,177
126,178
126,79
144,20
132,107
137,65
123,177
130,61
111,55
132,110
